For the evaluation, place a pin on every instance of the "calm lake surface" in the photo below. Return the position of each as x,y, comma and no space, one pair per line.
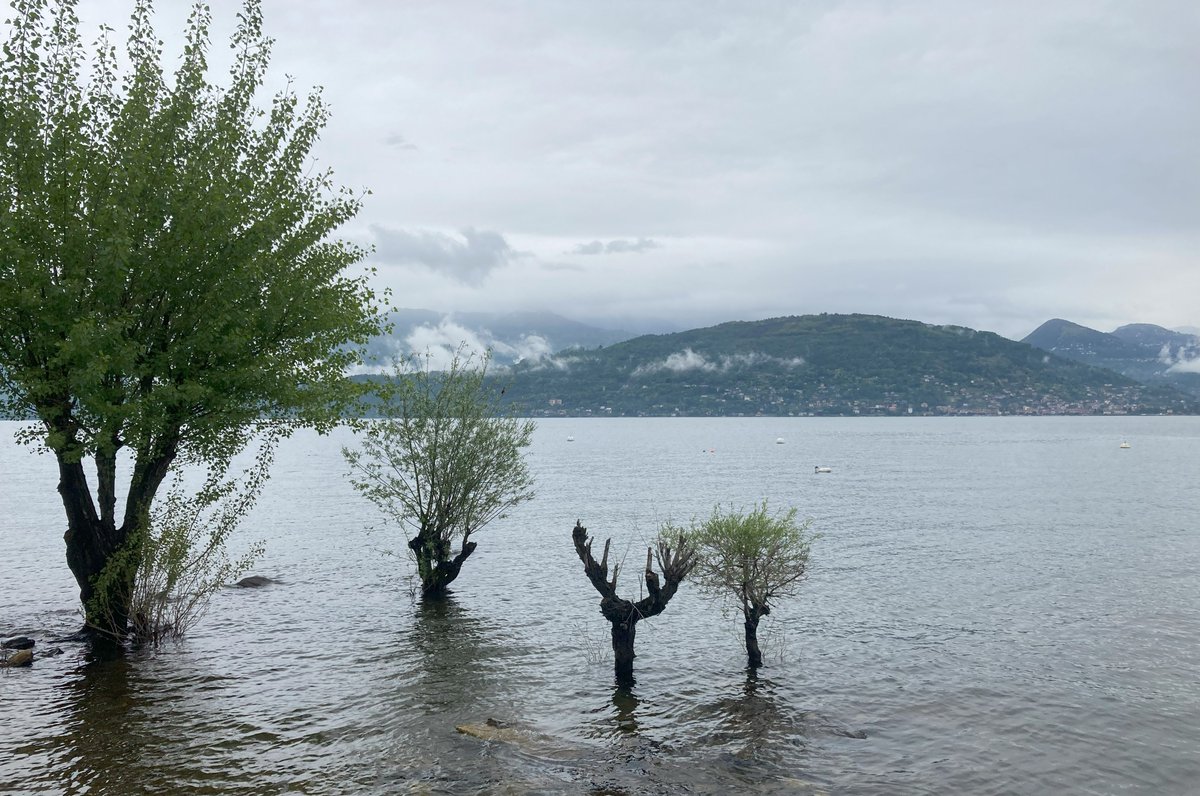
1002,605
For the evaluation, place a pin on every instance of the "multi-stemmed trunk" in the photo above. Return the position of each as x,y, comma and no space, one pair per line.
624,614
102,555
435,566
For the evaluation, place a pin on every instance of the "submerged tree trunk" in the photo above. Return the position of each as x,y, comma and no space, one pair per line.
435,567
752,651
623,635
753,614
94,548
624,614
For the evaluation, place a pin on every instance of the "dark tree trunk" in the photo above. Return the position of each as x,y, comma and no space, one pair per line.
95,542
623,634
752,651
753,614
435,567
91,543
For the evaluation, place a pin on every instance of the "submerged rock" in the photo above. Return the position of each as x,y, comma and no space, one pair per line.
491,730
17,643
254,582
51,652
846,732
23,657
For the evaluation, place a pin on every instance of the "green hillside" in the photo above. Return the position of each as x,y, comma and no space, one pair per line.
827,365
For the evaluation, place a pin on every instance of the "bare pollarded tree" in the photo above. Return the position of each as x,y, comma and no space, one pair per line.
675,560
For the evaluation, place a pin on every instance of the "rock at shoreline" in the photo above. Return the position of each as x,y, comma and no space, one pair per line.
17,643
23,657
254,582
50,653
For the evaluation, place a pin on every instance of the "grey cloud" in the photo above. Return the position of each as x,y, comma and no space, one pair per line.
616,246
398,141
468,259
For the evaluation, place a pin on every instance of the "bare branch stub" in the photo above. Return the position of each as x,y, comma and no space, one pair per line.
597,572
675,562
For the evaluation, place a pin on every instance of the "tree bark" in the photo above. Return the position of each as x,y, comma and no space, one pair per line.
753,613
91,544
752,651
623,635
94,541
434,565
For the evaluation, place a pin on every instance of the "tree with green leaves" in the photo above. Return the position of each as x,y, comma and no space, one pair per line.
754,558
169,289
444,460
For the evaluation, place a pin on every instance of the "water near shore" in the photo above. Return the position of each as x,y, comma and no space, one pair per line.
1001,605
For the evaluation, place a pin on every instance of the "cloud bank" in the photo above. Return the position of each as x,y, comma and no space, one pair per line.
442,342
468,258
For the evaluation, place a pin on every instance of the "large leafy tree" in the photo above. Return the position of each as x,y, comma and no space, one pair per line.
168,284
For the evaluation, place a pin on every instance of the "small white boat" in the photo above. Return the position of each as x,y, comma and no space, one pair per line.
819,469
779,440
1125,444
570,439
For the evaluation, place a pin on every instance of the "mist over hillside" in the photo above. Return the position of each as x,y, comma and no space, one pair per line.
512,337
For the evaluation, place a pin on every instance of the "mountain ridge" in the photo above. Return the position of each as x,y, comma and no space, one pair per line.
1145,352
828,364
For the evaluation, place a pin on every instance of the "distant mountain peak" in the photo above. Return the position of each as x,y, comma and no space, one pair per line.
1144,352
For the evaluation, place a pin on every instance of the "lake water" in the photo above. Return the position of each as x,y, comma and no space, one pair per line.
1002,605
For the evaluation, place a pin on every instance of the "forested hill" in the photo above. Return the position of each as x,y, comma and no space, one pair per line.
826,365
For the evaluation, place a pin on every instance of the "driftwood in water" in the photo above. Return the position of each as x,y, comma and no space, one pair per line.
675,562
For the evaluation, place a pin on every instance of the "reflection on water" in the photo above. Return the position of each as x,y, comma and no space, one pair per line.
753,725
626,703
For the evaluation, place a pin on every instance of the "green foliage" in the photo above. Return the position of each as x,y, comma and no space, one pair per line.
168,285
443,461
164,259
183,558
752,557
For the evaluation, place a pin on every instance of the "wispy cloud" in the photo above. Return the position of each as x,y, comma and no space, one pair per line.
619,246
1182,359
1185,366
687,359
397,141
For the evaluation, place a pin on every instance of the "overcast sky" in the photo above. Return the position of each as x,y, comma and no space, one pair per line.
989,164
